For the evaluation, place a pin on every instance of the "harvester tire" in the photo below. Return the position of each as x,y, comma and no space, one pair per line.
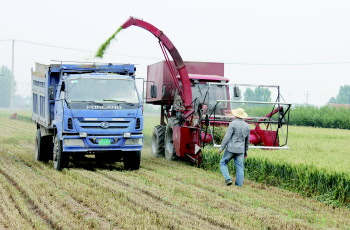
43,147
60,158
158,138
132,160
170,153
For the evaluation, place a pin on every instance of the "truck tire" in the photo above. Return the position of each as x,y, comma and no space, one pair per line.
60,158
43,147
158,137
132,160
170,153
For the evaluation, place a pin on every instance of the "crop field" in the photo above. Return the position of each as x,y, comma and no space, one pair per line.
161,195
317,164
326,149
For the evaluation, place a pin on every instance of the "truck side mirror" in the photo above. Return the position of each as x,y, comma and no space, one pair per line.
62,95
63,86
236,92
51,92
153,91
165,92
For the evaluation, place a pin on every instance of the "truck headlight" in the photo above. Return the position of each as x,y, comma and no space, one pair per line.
127,135
137,141
73,142
82,134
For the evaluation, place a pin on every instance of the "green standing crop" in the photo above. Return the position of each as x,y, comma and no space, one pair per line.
328,186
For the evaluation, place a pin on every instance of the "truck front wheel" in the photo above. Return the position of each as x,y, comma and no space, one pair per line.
43,147
132,160
60,158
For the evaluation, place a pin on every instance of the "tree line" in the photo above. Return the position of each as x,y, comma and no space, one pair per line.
5,86
336,114
324,117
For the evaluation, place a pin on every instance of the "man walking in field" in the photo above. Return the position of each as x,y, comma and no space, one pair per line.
236,142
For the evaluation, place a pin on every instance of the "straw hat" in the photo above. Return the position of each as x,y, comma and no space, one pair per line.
239,112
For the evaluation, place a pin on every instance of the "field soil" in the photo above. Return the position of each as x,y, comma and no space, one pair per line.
161,195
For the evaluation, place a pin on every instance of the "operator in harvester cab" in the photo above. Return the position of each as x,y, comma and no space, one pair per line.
235,143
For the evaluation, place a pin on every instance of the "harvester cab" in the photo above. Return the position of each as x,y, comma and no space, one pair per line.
206,96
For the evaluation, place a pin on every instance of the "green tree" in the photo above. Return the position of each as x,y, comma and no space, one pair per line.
5,86
343,96
258,94
249,95
262,94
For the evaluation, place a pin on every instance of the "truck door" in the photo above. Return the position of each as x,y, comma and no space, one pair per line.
59,103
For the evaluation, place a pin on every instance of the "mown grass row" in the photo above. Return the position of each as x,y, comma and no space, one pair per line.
330,187
315,165
161,195
326,185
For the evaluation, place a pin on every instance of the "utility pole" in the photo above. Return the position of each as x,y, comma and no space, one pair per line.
307,97
13,74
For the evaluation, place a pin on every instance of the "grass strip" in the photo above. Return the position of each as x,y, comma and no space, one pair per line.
25,118
332,188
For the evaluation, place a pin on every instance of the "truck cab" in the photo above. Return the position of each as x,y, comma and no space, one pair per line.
87,110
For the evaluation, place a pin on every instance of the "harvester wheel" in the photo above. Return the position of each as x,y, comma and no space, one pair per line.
132,160
170,153
158,137
43,147
60,158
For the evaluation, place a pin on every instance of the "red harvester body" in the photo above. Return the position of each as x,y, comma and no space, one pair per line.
195,97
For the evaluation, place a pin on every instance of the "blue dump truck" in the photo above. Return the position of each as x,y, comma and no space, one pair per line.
87,111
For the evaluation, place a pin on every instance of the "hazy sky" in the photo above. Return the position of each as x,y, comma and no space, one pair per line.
303,46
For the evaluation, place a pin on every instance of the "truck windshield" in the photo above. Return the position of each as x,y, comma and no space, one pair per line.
102,90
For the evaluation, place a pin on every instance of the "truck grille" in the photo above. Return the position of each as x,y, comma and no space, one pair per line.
115,125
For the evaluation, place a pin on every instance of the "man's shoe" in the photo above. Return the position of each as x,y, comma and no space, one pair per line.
228,182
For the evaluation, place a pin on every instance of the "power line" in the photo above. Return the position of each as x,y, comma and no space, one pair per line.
55,46
288,64
81,50
74,49
159,59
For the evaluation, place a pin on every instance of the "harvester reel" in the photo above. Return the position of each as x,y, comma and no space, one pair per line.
170,153
158,138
